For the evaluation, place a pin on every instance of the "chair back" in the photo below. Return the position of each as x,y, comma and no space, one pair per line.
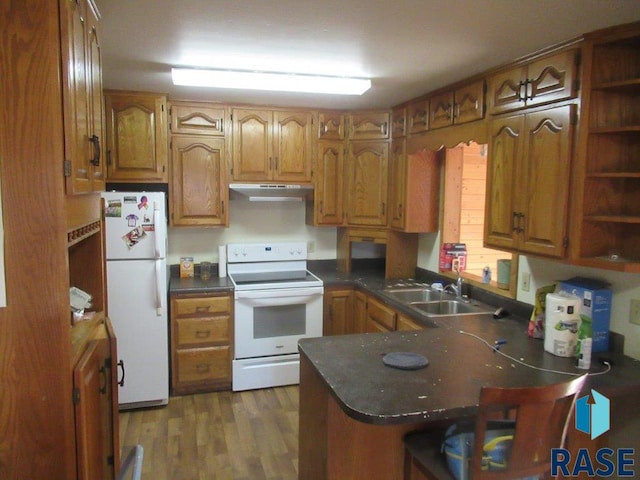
542,416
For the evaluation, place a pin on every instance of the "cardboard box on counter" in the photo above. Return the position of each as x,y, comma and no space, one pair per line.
595,298
450,252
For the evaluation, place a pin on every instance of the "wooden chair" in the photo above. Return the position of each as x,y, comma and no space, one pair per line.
541,419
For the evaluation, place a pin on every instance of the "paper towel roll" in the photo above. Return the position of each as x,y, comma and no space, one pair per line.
222,260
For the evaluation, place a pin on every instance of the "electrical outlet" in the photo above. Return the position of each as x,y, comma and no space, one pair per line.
634,311
311,247
526,281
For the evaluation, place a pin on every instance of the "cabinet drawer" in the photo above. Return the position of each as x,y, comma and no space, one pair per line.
202,330
382,314
201,305
203,364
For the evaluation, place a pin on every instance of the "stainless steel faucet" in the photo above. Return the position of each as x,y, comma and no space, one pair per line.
457,288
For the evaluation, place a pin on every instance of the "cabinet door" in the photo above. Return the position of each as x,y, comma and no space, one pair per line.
544,192
91,384
398,183
329,183
338,311
96,101
505,148
293,134
505,90
198,177
136,137
369,125
252,144
399,123
197,119
418,117
359,313
381,314
367,171
74,26
331,126
469,103
441,110
406,324
552,79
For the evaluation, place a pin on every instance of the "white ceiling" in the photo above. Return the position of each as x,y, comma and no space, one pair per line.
407,47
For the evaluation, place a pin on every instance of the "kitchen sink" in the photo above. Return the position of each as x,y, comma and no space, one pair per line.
449,308
410,295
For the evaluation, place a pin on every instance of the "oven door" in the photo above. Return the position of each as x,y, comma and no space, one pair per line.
270,322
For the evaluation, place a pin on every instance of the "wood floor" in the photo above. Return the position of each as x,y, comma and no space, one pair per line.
249,435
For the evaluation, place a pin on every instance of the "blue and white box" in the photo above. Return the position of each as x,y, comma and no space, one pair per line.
595,303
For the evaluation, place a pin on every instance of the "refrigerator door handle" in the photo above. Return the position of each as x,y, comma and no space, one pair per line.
156,226
158,288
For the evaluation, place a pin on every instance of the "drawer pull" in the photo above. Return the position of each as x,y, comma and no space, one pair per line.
205,308
203,333
203,367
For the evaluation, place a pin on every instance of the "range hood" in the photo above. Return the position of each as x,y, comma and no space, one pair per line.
270,192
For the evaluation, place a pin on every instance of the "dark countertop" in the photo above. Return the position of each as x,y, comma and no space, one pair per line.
370,392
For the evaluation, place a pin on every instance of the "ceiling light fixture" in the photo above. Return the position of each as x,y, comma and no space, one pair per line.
282,82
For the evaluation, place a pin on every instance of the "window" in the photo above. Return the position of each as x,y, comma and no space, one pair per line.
465,171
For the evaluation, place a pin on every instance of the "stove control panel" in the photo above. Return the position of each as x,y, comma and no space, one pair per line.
266,252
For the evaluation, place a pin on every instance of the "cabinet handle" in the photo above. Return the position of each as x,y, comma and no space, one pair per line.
200,308
523,90
121,367
275,163
384,208
223,207
203,333
399,210
383,128
108,157
221,125
529,91
456,110
270,163
515,222
103,375
95,140
321,207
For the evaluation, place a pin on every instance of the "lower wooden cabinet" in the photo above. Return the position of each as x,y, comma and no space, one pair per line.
95,398
380,317
352,311
201,342
338,312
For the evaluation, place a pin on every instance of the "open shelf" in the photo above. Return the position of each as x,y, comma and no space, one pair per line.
610,207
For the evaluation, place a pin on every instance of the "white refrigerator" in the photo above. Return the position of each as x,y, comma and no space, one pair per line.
135,251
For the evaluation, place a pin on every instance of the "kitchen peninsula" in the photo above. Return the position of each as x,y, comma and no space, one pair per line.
355,411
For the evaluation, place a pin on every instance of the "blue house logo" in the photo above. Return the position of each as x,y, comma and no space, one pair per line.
593,417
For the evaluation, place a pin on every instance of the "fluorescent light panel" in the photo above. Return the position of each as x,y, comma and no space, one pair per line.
282,82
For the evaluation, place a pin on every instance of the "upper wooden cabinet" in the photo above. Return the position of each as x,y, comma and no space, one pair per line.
464,104
399,122
199,192
367,183
369,125
82,97
414,189
136,137
528,182
606,232
331,125
327,207
272,145
549,79
193,118
418,117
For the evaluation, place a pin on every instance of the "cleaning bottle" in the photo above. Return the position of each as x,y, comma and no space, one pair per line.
585,341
